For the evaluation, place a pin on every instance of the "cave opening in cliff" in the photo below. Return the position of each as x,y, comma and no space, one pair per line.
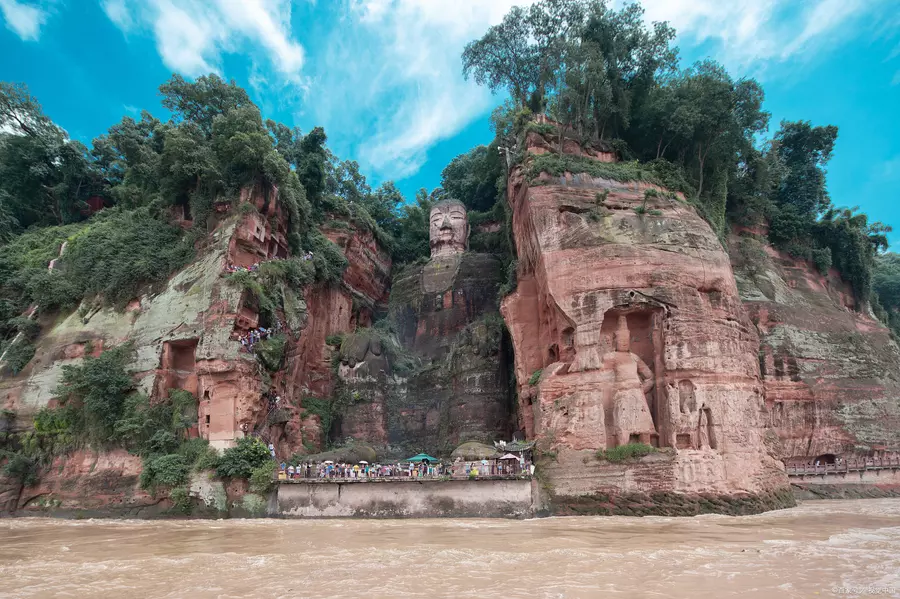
507,374
178,367
825,459
183,205
706,430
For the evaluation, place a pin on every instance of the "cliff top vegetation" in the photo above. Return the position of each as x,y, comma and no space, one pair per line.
609,80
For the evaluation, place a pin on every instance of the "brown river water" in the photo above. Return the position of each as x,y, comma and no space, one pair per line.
820,549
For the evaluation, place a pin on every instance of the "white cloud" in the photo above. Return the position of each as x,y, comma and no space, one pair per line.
193,35
399,60
24,19
385,78
753,34
395,65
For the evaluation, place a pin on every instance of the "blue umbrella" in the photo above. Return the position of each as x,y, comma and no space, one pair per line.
422,457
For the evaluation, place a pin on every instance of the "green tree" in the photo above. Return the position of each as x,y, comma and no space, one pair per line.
383,204
854,244
505,58
98,388
473,177
45,178
804,151
201,101
412,231
886,284
311,166
241,460
128,158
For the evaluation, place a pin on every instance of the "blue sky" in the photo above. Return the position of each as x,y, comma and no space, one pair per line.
383,76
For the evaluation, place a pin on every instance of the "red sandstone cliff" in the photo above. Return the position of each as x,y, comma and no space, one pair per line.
586,258
832,375
185,337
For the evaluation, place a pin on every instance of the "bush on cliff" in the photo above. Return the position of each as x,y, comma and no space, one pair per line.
120,251
97,390
323,408
208,459
168,470
151,429
626,452
53,433
20,467
240,461
18,355
270,352
327,258
181,501
886,283
262,478
158,433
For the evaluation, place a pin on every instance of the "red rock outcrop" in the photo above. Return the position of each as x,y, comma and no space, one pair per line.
831,374
368,274
185,338
330,310
594,253
107,482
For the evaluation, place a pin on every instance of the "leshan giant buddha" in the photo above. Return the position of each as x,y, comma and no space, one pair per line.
446,314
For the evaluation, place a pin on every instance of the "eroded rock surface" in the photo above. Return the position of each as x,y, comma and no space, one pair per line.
185,337
598,255
831,374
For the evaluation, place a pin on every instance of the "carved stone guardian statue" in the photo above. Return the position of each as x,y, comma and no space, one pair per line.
634,379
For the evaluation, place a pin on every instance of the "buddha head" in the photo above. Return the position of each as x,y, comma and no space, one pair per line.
448,228
623,337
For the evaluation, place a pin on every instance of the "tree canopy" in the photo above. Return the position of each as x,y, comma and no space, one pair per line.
607,77
145,171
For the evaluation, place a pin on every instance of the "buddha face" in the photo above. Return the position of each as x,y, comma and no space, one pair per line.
449,229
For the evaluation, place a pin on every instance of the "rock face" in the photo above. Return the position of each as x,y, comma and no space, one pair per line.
446,381
628,327
107,482
831,374
185,336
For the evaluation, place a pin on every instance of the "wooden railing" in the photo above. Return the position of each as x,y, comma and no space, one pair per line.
845,465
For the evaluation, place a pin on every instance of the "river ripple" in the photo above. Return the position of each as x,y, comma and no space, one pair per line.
819,549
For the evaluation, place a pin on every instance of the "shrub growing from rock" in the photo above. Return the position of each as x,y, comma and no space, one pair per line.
240,461
623,453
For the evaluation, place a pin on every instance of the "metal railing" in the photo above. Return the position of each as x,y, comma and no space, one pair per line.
845,465
456,471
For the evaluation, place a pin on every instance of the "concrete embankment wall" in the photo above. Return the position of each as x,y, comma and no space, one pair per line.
414,499
862,484
861,477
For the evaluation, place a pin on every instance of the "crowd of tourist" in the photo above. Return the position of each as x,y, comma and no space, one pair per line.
272,398
400,470
231,268
254,336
